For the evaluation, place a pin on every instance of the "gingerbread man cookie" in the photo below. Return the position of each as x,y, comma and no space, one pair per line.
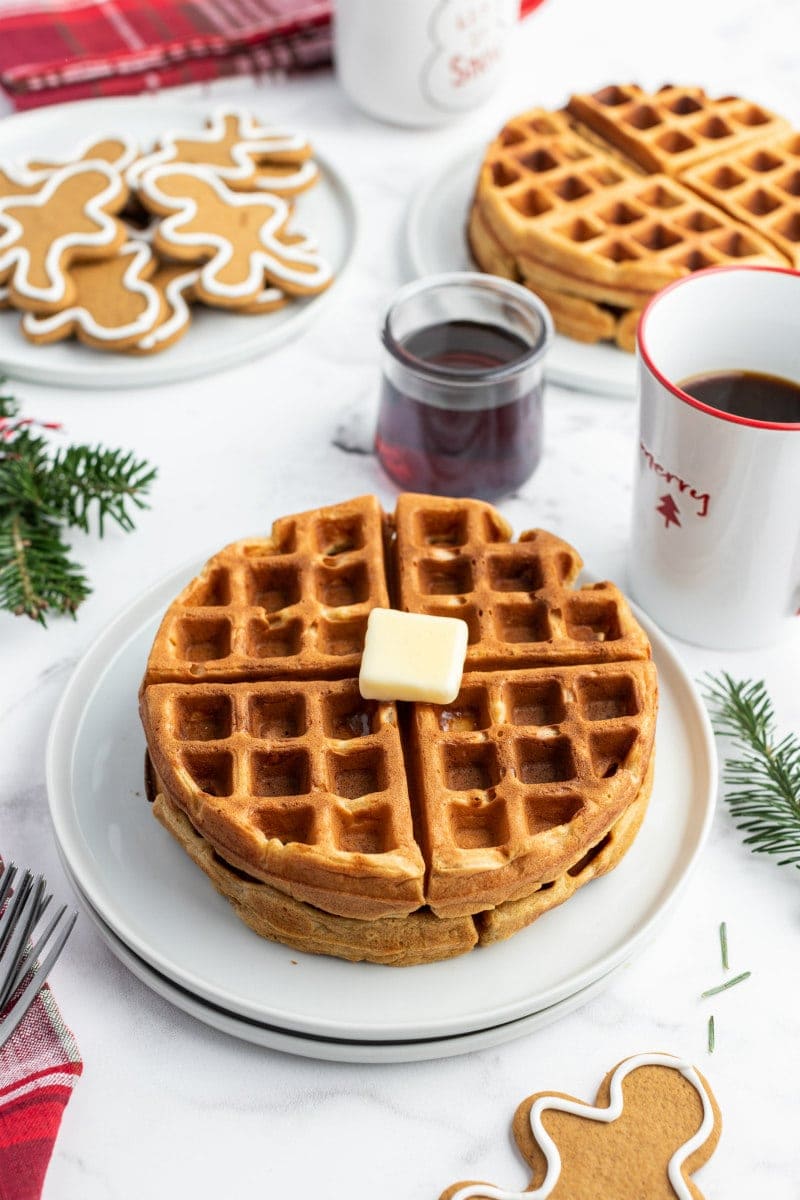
653,1124
177,283
19,178
236,236
69,217
241,152
114,304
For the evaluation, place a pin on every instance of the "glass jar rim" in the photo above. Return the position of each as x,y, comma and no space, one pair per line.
478,282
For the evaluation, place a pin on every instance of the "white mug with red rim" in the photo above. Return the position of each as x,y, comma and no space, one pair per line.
715,546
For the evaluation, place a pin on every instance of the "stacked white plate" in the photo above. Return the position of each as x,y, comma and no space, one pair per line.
160,916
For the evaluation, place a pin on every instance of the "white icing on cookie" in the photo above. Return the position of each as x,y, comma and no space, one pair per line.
180,316
15,254
255,142
141,257
548,1147
271,257
20,172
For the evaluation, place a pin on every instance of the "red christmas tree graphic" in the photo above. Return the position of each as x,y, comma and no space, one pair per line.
669,511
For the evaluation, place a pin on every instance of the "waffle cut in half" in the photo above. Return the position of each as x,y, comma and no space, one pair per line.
597,206
398,833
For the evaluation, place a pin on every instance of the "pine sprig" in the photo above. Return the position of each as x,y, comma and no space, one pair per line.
41,491
762,777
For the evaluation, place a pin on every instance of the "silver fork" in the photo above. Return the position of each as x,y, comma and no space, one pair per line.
19,961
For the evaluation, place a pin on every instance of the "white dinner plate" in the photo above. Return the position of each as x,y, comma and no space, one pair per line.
436,241
215,339
157,901
331,1049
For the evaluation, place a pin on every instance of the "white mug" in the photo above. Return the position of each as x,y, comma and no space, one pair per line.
420,62
715,547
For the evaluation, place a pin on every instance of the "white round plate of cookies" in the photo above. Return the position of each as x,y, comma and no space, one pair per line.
143,283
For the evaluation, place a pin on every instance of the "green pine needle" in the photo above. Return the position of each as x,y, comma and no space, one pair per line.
762,777
712,1035
41,491
723,987
723,945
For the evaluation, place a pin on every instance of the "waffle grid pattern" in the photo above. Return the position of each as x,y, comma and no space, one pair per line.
311,768
528,769
671,128
598,206
516,597
294,604
759,185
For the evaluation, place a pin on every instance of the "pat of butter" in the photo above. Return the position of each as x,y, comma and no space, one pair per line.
410,656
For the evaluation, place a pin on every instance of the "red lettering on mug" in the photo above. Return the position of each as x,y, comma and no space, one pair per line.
703,498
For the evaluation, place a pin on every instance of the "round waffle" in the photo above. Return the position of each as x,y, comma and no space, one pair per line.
597,206
398,833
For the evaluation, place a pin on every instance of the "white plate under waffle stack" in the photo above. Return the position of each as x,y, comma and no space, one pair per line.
186,943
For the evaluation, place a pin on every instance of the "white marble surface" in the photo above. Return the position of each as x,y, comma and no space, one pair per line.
169,1107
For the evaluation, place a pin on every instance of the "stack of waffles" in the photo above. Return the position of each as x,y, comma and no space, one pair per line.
597,206
398,833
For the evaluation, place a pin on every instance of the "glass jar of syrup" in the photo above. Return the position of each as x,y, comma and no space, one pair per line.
461,403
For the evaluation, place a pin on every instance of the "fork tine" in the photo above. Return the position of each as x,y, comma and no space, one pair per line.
25,1000
28,961
6,882
15,947
14,908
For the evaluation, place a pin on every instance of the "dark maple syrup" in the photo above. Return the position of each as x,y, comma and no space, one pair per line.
747,394
482,440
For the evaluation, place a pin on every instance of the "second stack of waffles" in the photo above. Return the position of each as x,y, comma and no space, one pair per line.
597,206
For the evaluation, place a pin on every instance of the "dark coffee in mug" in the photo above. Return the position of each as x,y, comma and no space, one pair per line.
747,394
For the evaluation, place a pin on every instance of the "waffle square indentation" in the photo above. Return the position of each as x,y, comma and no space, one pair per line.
611,96
201,639
280,773
343,586
367,831
658,237
713,128
470,766
683,105
621,213
290,824
789,227
544,760
571,188
537,703
271,717
591,619
273,586
734,243
512,573
340,535
460,611
548,812
503,175
211,590
580,230
609,749
643,116
442,528
658,195
607,697
468,712
751,115
790,183
674,142
341,638
530,203
523,622
763,161
699,221
539,161
618,252
350,716
281,640
479,827
202,718
511,136
447,577
360,772
212,772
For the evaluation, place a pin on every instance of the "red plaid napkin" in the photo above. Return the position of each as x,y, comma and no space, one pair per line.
39,1065
56,50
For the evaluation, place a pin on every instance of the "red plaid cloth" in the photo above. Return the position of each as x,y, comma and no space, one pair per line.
56,50
38,1068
